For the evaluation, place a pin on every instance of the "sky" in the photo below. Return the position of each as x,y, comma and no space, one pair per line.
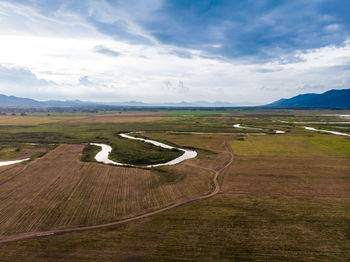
245,52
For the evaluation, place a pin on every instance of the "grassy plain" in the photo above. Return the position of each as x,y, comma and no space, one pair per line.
285,197
198,112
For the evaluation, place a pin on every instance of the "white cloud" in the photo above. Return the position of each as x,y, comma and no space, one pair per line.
17,19
63,53
332,27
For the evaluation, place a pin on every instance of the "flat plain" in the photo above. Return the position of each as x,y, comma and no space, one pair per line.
285,197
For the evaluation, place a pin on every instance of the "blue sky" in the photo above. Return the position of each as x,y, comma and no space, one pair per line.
244,52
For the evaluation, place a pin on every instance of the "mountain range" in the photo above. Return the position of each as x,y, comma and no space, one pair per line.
332,99
20,102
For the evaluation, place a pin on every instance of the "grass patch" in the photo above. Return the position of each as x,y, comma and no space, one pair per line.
195,112
8,152
333,143
38,155
89,153
140,153
278,145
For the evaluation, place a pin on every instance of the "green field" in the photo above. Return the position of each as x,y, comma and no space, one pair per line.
10,152
198,112
285,197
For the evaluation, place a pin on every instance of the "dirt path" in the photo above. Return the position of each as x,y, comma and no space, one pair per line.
216,190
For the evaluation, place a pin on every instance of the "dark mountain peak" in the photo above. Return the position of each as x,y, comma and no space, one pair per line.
335,98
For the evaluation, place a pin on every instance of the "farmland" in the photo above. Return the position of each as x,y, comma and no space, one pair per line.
40,196
285,197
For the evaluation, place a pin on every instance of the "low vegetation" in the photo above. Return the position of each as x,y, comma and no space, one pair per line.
89,153
284,198
8,152
140,153
18,151
38,155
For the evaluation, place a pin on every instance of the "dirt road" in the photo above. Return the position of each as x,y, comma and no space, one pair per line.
216,190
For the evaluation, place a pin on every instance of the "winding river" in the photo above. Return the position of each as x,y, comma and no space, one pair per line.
256,128
314,122
319,130
7,163
326,131
338,115
103,155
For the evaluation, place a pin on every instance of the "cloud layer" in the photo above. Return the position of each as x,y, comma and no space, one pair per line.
167,51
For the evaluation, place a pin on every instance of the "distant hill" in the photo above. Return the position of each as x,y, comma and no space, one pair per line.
333,99
13,101
19,102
